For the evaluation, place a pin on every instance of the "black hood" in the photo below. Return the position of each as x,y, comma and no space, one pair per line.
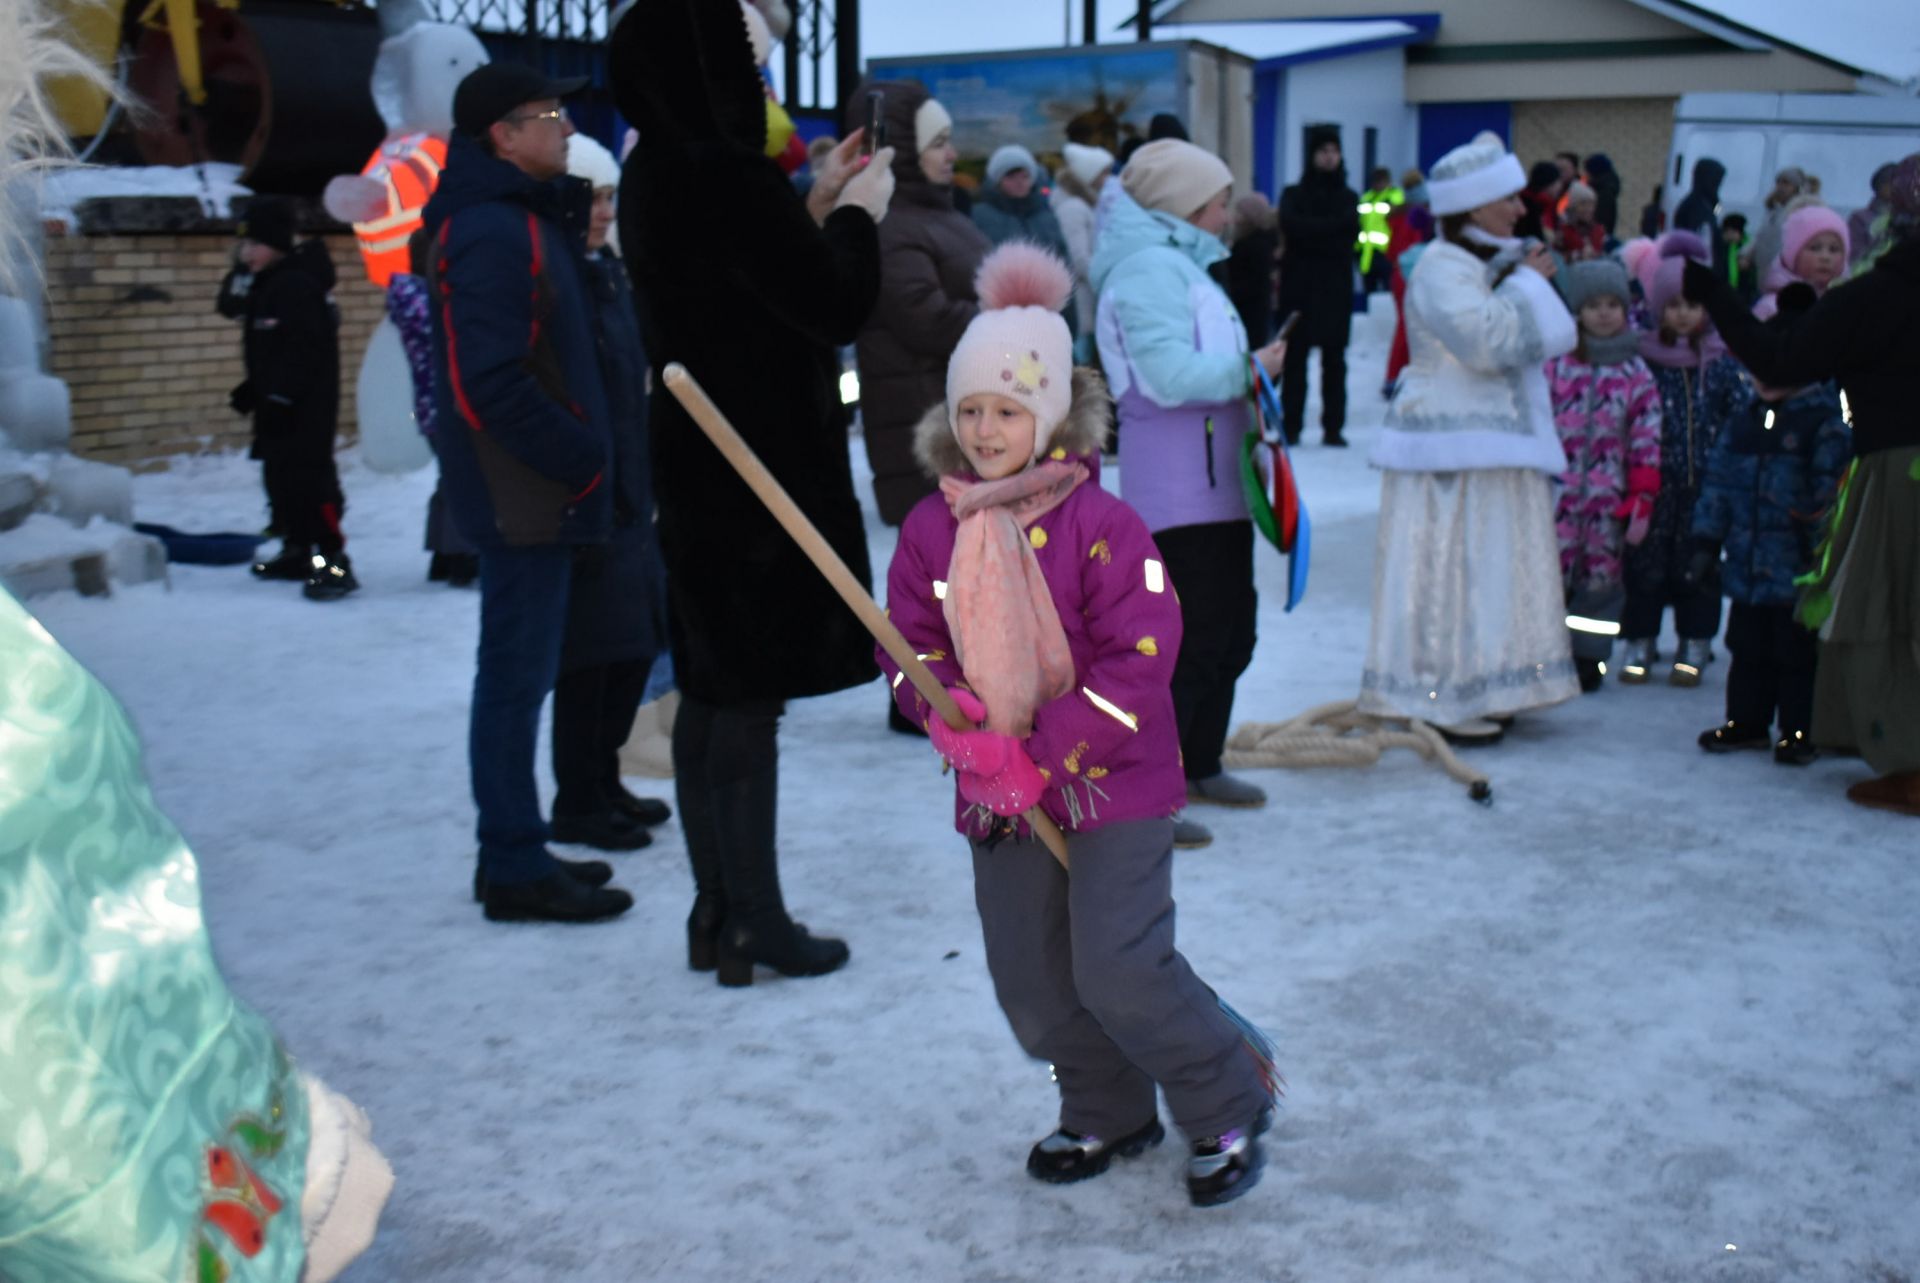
682,71
474,176
1707,176
900,103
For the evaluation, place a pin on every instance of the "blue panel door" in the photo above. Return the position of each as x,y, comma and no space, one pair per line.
1445,125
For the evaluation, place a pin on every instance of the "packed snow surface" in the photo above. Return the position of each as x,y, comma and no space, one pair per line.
1648,1017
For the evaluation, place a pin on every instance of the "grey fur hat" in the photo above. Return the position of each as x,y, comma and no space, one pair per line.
1582,281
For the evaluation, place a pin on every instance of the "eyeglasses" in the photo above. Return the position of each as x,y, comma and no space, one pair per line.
558,115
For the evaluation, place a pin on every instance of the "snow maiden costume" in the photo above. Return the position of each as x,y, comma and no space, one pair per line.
1468,618
1045,596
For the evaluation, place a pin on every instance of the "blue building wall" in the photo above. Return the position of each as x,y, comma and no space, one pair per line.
1445,125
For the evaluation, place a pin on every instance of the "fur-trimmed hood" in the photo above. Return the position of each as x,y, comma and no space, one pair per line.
1085,431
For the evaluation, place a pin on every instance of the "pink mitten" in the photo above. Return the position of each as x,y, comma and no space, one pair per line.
1014,789
995,770
980,751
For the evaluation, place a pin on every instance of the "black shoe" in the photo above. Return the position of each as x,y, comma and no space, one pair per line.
897,721
1795,749
647,810
1593,675
331,578
785,946
588,873
1333,437
1066,1157
609,830
703,932
554,898
294,564
1733,737
1222,1168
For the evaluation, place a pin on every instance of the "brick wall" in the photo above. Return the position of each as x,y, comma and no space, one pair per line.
132,330
1635,133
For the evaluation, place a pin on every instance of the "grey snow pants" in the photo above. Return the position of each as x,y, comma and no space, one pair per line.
1086,970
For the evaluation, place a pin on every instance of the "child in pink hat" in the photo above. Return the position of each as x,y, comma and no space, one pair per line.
1813,249
1041,602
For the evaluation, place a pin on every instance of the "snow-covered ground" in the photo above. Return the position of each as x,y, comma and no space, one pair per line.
1649,1017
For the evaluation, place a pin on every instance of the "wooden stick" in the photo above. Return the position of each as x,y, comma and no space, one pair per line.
771,493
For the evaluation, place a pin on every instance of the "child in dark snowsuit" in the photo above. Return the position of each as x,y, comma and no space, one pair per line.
1700,389
1773,473
1040,600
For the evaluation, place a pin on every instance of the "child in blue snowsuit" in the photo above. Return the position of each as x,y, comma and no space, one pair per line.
1769,481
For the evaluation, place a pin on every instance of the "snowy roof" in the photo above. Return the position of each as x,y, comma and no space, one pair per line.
1880,37
1282,41
215,184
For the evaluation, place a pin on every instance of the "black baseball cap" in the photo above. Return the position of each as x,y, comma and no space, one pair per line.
491,92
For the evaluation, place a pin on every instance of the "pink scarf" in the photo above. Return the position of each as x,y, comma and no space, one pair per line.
1006,633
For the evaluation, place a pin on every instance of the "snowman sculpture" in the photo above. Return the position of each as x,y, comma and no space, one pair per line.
419,65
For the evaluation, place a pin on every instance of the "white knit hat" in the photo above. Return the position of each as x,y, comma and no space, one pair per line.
1175,177
1474,174
589,160
1007,159
1018,346
1087,163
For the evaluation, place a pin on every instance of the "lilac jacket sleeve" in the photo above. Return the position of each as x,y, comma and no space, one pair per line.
1132,620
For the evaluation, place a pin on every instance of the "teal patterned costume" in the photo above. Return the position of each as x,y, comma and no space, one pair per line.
152,1129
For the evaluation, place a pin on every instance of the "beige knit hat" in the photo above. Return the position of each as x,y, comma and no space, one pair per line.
1175,177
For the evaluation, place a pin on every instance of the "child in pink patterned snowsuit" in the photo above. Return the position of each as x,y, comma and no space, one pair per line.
1040,600
1606,406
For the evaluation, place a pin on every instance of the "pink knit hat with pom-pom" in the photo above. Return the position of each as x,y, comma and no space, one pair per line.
1671,265
1018,346
1640,256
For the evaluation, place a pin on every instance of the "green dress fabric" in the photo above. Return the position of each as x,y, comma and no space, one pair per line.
152,1129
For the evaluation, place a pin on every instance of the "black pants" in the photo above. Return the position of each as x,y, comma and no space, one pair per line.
1333,388
303,492
1212,569
593,712
1772,669
1696,609
726,764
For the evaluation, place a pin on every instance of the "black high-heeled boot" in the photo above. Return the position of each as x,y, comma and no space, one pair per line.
758,929
703,931
691,733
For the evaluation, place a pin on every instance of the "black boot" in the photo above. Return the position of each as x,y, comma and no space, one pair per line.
295,563
1795,749
646,810
1734,736
331,578
609,830
703,843
588,873
1222,1168
1065,1156
758,929
558,897
1593,674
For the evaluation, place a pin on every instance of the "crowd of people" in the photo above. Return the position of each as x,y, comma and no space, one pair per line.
1582,434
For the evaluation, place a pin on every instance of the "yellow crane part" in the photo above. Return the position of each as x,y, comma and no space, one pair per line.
93,29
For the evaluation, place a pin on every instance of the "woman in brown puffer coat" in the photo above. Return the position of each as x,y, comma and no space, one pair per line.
929,252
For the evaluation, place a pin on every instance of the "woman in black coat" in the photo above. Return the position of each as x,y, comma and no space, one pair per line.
1866,597
754,296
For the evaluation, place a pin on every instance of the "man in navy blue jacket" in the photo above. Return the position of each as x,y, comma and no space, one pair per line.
525,447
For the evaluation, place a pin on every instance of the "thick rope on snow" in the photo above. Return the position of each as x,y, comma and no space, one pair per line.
1341,735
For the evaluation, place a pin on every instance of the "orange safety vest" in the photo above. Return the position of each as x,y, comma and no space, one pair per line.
409,166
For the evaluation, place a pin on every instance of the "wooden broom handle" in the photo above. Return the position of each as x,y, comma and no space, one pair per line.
694,399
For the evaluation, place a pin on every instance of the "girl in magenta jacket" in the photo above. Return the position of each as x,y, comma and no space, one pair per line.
1041,601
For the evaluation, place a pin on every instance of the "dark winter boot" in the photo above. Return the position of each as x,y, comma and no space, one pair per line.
589,873
294,563
1593,675
331,578
1733,737
1795,749
649,811
703,850
558,897
609,830
1636,666
758,930
1065,1156
1224,1167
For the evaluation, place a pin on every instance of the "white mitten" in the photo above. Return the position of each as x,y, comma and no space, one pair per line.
872,188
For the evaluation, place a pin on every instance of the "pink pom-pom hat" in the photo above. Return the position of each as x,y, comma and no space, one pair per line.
1018,346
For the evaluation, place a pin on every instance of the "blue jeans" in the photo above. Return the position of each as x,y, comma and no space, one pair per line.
523,621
